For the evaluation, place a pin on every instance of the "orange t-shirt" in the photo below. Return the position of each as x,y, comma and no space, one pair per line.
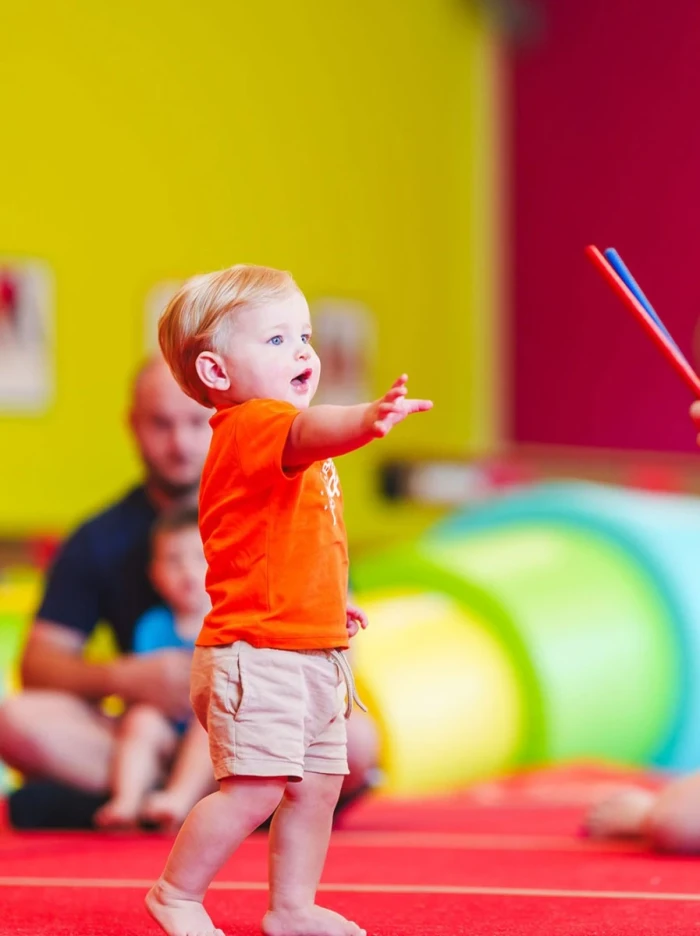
275,543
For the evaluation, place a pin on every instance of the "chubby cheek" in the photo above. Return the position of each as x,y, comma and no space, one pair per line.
317,373
160,578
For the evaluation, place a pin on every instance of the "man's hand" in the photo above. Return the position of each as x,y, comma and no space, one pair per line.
356,619
393,408
160,679
695,416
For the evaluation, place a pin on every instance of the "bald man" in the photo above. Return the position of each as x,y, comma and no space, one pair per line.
54,730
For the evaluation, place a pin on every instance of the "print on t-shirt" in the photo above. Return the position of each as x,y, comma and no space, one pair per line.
331,482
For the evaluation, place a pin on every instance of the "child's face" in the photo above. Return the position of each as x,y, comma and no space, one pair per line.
270,355
178,569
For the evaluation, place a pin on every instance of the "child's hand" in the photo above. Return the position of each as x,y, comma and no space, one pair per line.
695,416
393,408
356,619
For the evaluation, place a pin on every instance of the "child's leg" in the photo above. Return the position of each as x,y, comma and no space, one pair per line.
299,838
191,778
146,739
668,820
212,832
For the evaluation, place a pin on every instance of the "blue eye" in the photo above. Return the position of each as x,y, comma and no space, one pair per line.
277,340
306,338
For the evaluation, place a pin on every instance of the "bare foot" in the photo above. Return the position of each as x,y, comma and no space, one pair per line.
316,921
116,814
620,815
178,916
165,809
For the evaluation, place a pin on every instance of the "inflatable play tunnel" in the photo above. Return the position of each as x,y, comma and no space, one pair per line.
559,622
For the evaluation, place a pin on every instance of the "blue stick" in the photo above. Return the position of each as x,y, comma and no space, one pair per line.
618,265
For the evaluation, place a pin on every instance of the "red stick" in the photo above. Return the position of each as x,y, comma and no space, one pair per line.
677,361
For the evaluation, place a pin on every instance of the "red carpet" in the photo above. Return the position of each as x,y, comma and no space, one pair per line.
504,859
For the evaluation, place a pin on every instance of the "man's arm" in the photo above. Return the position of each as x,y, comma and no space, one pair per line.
70,608
53,660
322,432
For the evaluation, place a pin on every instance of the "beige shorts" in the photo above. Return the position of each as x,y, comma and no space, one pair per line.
270,713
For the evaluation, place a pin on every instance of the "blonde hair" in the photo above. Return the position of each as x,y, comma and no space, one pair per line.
199,315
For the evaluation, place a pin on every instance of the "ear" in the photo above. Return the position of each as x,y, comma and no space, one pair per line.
211,370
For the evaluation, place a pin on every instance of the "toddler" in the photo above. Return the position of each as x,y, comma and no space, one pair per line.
270,680
149,744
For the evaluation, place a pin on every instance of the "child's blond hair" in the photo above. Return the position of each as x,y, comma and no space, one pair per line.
197,317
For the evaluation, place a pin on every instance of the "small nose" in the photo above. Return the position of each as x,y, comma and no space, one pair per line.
303,351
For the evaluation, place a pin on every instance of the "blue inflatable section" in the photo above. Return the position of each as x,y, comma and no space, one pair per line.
660,532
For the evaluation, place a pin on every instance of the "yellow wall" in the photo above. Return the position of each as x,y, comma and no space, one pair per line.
351,143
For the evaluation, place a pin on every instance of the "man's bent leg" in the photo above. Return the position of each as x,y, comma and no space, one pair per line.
59,737
363,760
64,747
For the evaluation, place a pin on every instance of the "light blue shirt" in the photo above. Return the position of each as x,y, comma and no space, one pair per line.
155,630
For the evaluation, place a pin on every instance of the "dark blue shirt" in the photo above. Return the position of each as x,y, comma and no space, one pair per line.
101,571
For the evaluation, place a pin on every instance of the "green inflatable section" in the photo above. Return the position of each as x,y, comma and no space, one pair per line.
18,596
18,593
589,634
12,629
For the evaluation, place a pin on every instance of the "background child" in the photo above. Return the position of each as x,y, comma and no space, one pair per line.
148,741
269,678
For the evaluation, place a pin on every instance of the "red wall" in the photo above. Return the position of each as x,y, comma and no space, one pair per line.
606,150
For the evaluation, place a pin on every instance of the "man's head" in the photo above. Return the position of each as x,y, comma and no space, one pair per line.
178,567
172,431
241,334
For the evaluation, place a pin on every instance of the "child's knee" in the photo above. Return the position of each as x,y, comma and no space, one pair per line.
146,721
317,791
260,796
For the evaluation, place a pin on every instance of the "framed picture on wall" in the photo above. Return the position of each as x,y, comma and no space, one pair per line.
26,336
157,299
344,336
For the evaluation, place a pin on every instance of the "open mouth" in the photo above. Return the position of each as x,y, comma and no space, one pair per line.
302,379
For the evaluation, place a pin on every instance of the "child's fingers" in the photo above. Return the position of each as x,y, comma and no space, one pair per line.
387,408
398,388
418,406
395,393
357,614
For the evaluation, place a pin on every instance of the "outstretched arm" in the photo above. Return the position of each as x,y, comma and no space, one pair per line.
328,431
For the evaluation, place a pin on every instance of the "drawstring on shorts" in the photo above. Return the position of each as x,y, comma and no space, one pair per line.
341,661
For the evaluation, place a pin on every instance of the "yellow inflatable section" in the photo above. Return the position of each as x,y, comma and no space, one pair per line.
442,689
